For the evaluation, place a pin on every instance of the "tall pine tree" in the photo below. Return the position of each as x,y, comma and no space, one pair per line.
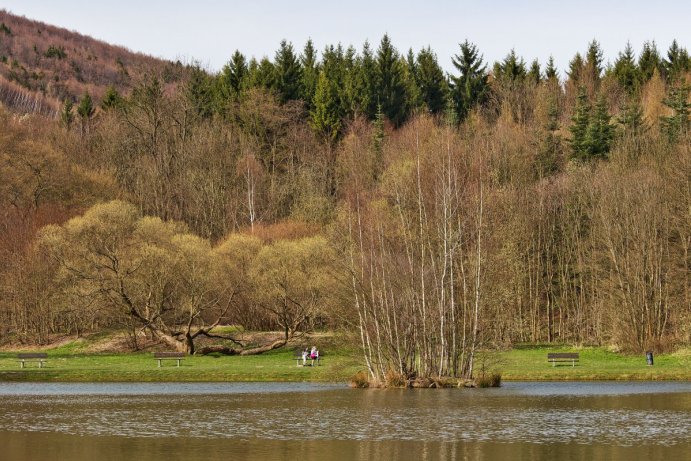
390,82
649,61
431,82
677,125
600,133
626,71
288,73
470,87
551,72
366,100
310,73
579,126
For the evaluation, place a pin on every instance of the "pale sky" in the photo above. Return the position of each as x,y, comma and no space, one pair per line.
209,31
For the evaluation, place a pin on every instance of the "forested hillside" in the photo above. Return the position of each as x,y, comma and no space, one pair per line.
432,214
41,66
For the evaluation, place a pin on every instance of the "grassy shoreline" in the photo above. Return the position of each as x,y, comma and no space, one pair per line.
522,363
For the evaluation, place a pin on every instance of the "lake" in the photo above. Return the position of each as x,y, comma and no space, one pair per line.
286,421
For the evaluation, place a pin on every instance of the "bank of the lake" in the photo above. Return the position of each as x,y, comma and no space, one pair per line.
70,364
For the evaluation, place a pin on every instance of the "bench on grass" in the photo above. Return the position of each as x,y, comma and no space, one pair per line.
567,357
298,358
160,356
39,357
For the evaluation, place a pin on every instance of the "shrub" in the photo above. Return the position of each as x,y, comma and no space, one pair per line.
395,379
360,380
489,380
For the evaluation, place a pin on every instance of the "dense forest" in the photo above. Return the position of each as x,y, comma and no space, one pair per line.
432,214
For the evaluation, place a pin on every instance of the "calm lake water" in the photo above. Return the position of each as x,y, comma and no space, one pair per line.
564,421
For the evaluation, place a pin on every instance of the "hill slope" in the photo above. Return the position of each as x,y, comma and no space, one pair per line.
42,65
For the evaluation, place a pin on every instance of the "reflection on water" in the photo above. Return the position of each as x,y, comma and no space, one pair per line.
287,421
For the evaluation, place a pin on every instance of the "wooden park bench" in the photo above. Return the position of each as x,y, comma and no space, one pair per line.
555,357
160,356
298,358
39,357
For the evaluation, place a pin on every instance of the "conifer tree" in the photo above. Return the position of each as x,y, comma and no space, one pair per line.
649,61
677,61
575,71
594,59
327,112
200,92
626,71
366,84
511,69
390,82
470,87
631,117
85,110
112,99
411,78
261,74
431,81
288,73
677,125
600,133
534,74
579,126
334,68
350,82
550,148
233,76
551,72
66,114
310,73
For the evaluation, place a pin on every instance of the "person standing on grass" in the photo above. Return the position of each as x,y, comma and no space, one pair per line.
314,354
304,357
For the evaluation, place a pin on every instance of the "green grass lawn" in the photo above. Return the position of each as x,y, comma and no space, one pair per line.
71,364
63,365
595,363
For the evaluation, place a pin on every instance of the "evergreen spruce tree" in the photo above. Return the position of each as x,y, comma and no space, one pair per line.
327,113
85,110
511,69
233,77
677,125
112,99
594,59
649,61
551,72
631,118
261,74
334,68
66,114
310,74
366,84
626,71
200,92
575,71
431,82
288,73
677,62
390,82
548,158
350,82
579,126
470,87
600,133
411,77
534,74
